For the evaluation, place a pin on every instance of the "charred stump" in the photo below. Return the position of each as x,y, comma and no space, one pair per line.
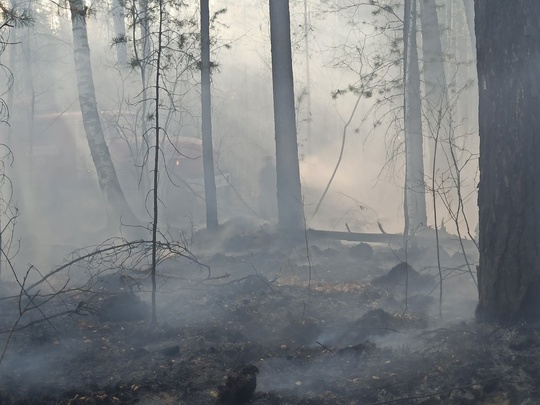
239,385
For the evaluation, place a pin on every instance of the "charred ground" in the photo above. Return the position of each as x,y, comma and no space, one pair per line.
328,325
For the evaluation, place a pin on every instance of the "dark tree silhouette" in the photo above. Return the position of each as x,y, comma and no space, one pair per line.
508,34
289,195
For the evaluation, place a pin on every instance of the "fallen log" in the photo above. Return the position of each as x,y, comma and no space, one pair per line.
395,239
355,236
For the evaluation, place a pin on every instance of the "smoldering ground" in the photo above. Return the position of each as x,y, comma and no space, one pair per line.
320,331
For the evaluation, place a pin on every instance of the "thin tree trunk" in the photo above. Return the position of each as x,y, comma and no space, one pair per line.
206,105
469,14
30,91
308,147
120,32
157,153
143,56
436,100
108,180
289,195
415,197
145,34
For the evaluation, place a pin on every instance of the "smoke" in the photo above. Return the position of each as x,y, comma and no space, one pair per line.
249,284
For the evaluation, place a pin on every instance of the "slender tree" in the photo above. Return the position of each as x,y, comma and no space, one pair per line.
308,119
99,150
157,130
415,198
120,39
508,62
289,195
435,86
469,14
142,59
206,112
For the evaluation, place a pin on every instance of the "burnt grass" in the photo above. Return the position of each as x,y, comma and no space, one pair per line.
334,329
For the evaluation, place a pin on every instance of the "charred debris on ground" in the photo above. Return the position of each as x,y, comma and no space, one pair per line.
251,322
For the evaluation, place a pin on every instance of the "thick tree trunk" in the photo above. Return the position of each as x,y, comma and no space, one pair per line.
415,197
289,195
508,61
99,150
206,112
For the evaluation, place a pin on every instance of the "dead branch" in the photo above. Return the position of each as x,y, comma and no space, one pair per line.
433,394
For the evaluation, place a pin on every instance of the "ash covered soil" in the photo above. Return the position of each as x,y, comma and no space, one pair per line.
338,323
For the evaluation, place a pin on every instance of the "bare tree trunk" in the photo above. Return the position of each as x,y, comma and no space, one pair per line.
508,62
108,181
143,56
415,197
157,153
469,14
308,147
289,195
206,104
145,35
120,32
436,100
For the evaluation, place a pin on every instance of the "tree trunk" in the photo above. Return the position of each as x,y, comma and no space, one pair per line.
143,55
415,198
145,36
469,14
436,94
157,153
289,195
108,181
206,112
508,62
120,32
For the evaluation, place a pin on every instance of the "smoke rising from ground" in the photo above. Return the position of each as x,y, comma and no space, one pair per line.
251,294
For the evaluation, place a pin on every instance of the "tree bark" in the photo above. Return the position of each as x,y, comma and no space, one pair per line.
415,198
108,180
289,195
508,62
210,195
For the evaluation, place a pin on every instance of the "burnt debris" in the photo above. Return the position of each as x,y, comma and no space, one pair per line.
239,385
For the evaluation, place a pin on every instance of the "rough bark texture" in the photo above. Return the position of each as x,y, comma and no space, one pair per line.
290,207
206,112
415,206
508,52
108,181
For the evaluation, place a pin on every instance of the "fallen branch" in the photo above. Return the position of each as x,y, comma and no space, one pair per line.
433,394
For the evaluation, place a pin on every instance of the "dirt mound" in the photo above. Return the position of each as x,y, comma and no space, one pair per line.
403,275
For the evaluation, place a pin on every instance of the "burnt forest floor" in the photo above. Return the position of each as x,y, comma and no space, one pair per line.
338,324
